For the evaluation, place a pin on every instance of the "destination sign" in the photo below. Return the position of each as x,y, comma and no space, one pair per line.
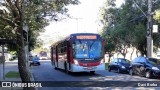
87,37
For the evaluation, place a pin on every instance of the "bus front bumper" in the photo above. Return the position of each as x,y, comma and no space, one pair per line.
77,68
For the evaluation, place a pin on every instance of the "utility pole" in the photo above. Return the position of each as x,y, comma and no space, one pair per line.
149,30
77,24
77,20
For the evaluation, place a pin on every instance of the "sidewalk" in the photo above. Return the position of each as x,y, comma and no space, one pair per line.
10,66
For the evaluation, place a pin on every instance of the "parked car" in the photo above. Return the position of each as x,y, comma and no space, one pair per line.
147,67
119,64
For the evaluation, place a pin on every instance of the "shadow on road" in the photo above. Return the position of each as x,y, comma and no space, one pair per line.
78,74
84,74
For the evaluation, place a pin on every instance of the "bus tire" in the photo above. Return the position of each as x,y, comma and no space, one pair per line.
55,67
66,68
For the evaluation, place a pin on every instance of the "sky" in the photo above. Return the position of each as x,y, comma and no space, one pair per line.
85,19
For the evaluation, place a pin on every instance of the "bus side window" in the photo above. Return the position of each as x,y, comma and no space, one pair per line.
59,48
64,46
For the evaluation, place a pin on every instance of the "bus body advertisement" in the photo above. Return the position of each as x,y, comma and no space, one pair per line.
79,52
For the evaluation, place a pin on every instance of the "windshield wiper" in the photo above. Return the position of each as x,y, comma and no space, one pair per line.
92,44
79,41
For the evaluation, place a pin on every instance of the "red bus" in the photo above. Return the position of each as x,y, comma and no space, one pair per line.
79,52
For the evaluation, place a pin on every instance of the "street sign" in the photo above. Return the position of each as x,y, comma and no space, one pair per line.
155,29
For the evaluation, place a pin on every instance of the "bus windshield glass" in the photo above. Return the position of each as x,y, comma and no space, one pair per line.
43,54
87,49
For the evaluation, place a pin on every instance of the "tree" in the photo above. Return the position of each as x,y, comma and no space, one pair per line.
157,15
31,13
106,18
128,26
156,37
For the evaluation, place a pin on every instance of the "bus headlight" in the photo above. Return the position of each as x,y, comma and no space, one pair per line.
76,62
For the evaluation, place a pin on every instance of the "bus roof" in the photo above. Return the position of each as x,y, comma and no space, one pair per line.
73,35
83,34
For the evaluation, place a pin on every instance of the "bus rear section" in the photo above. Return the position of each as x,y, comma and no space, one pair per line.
81,52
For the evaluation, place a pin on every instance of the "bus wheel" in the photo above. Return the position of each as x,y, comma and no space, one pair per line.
55,68
92,72
66,68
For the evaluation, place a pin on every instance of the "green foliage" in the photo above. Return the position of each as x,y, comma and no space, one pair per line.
12,74
33,14
127,26
157,15
13,52
36,15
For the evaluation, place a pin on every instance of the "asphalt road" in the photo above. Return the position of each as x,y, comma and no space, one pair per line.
47,74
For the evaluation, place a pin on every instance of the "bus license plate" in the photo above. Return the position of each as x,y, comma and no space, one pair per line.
89,68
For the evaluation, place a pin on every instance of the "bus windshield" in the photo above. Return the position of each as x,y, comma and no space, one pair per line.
43,54
87,49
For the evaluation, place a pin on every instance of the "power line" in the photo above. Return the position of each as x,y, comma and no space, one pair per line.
140,8
140,15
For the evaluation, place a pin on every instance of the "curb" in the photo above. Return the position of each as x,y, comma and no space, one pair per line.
15,79
1,74
32,78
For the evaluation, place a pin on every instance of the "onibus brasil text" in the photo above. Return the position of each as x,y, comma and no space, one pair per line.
18,84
